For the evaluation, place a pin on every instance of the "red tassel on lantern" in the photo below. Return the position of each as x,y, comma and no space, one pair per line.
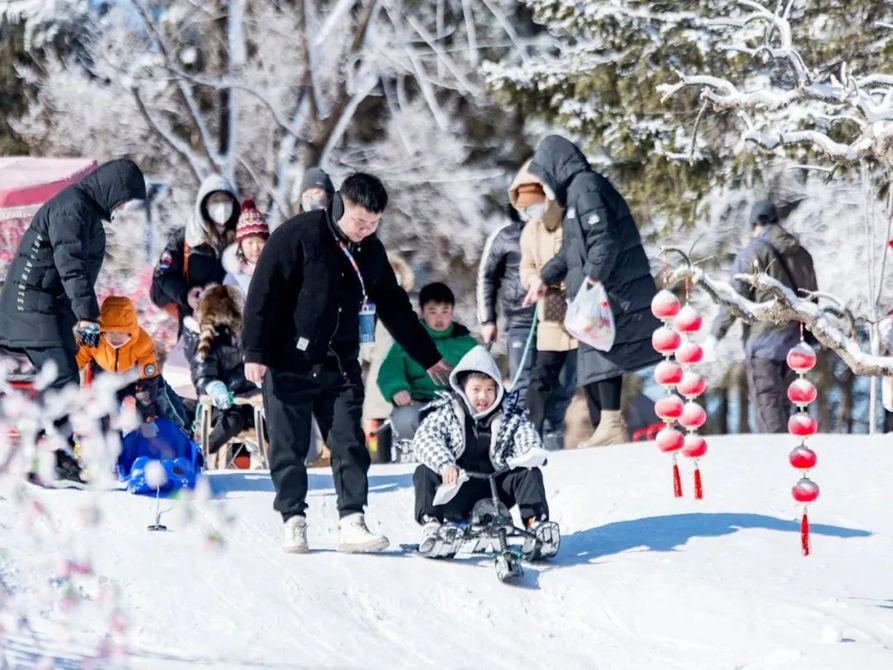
677,480
699,489
804,533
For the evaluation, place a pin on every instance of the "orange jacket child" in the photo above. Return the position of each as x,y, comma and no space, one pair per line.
123,346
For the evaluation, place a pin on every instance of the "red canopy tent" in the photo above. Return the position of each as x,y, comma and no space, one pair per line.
26,183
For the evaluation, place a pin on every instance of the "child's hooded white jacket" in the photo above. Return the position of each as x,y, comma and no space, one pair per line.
440,439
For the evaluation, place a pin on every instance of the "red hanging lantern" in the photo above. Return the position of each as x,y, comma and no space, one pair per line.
802,425
669,440
665,305
691,385
689,353
801,358
802,392
668,374
665,340
693,416
805,491
669,409
803,458
688,320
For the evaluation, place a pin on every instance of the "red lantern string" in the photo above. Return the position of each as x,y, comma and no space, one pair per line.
665,306
802,392
699,489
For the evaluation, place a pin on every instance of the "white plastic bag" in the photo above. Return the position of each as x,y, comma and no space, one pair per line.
589,317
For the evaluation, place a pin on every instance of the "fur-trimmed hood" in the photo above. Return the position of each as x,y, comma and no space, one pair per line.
230,259
220,308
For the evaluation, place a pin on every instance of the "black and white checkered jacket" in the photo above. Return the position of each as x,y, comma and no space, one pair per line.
441,439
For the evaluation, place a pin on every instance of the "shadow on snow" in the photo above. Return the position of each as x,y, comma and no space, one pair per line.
668,533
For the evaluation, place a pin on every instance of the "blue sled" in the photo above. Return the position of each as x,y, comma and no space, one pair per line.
181,458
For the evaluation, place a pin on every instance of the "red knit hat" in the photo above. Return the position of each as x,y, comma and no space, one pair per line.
251,222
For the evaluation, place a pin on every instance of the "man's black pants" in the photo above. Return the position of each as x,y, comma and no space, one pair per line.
522,487
768,382
335,399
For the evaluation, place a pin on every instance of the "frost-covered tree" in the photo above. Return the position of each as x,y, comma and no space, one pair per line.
597,68
836,115
257,91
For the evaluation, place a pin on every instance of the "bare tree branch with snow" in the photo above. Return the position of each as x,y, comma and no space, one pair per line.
788,307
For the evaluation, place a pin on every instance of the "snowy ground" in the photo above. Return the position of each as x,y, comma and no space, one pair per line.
643,580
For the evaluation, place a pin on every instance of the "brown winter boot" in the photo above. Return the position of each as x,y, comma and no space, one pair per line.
611,430
576,422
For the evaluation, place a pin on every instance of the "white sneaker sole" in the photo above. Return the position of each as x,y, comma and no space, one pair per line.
372,546
292,549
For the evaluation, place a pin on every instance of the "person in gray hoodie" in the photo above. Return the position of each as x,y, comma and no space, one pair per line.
777,253
475,427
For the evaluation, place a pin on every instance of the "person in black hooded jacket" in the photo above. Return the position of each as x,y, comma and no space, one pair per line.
301,336
48,303
601,244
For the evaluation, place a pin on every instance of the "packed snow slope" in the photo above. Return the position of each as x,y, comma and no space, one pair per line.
643,580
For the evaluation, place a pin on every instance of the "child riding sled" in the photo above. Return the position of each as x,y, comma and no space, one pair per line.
477,428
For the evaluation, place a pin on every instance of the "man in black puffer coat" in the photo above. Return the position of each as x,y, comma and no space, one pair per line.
601,244
48,298
301,332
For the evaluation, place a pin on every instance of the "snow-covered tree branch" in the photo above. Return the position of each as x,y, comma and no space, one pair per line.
832,325
801,103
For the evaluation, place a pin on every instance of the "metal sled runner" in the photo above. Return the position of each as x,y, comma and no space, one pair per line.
491,529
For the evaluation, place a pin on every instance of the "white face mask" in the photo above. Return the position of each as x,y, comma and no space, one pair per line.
312,204
220,212
535,212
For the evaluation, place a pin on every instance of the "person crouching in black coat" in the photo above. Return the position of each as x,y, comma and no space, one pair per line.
217,369
301,335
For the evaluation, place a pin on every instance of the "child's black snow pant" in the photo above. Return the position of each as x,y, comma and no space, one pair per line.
522,487
227,423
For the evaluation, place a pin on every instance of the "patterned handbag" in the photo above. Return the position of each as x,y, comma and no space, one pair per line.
554,304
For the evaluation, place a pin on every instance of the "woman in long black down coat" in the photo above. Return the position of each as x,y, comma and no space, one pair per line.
601,244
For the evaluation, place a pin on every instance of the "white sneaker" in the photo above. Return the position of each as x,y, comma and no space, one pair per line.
354,537
430,531
294,538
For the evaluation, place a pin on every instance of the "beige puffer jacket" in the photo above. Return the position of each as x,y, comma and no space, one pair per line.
540,241
375,406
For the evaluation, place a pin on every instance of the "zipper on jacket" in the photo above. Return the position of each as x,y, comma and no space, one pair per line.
117,351
331,348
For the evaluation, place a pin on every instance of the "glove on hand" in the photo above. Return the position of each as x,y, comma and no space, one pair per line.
87,333
219,394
